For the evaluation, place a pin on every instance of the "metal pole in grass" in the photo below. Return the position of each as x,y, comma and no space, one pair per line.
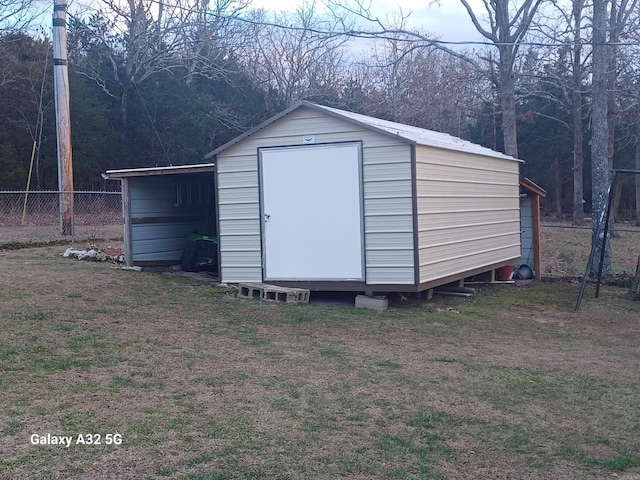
606,230
593,246
26,193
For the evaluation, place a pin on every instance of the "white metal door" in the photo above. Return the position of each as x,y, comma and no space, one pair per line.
312,212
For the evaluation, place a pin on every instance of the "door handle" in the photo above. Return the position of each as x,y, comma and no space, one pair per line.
266,217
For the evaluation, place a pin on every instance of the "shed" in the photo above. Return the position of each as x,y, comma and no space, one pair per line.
326,199
161,206
530,195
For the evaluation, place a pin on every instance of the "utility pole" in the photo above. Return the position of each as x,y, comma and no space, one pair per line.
63,122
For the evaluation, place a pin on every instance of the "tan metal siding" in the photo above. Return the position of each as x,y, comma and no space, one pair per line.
462,234
291,129
389,241
446,188
380,275
468,217
458,264
454,161
387,189
237,211
238,274
456,204
239,219
387,196
242,178
468,211
389,224
391,258
388,211
240,163
239,227
388,205
237,193
240,243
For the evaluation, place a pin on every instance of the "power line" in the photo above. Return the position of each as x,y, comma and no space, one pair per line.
397,35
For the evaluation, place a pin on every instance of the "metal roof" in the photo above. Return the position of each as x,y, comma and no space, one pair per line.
420,136
532,186
143,172
406,133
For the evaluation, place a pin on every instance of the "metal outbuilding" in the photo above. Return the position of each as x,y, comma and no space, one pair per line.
327,199
161,206
530,195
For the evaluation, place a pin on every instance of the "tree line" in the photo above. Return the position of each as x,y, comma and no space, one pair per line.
162,83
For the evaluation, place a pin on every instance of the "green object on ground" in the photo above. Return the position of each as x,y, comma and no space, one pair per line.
194,237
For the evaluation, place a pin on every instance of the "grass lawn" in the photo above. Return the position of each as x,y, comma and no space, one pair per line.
511,383
565,250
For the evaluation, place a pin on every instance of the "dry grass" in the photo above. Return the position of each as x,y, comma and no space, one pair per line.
565,250
20,236
509,384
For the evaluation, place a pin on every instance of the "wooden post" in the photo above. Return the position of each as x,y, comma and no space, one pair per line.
634,290
536,236
63,122
126,214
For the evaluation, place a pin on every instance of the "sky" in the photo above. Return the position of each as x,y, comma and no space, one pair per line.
446,20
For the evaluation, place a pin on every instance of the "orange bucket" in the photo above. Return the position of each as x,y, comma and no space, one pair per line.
504,273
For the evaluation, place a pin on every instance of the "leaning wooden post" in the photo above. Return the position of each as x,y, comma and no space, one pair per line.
634,290
63,122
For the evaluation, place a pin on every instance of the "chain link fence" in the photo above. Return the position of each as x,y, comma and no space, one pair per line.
34,217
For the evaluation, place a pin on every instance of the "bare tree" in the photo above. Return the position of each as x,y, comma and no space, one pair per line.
572,30
577,7
128,42
619,14
637,166
508,23
600,134
16,15
425,87
209,32
297,55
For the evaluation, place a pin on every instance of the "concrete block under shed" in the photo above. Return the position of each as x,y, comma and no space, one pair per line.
250,290
288,295
379,304
273,293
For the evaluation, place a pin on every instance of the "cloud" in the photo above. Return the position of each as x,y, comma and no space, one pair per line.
445,20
